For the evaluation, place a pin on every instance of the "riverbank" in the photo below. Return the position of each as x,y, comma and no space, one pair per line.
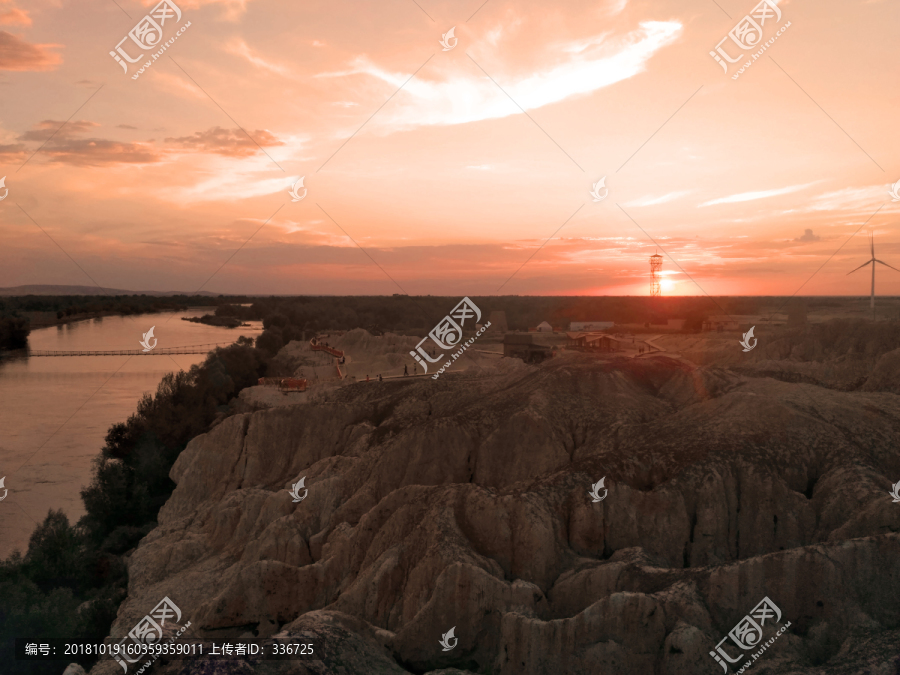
21,314
55,412
110,452
49,319
17,345
213,320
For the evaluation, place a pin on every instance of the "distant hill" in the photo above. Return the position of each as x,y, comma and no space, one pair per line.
45,289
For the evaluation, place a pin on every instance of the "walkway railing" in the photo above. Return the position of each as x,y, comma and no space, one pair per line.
322,348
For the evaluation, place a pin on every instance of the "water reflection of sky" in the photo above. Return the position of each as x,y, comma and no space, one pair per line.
67,404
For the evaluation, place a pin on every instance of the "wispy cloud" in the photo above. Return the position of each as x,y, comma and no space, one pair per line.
470,97
240,48
760,194
851,198
662,199
229,187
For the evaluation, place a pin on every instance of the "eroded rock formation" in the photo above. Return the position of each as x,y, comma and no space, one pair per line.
464,502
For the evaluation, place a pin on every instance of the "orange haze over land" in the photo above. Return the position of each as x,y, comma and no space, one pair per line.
461,165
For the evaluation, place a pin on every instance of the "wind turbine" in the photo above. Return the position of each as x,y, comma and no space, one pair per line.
873,260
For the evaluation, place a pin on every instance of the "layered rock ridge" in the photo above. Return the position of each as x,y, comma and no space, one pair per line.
464,502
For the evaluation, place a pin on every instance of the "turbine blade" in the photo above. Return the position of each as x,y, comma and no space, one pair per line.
860,267
886,265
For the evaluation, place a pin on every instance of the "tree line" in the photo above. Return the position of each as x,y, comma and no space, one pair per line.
291,318
15,327
72,579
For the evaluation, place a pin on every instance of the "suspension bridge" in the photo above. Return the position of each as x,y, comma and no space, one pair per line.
162,351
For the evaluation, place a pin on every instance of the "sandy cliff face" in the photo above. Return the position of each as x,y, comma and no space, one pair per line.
464,502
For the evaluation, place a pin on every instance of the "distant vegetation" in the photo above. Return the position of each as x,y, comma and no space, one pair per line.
213,320
13,332
286,319
72,579
14,327
70,305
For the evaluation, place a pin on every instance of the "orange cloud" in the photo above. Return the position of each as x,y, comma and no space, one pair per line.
47,128
66,148
228,142
10,154
14,17
16,54
233,9
97,152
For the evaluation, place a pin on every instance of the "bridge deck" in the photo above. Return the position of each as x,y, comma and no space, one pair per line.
163,351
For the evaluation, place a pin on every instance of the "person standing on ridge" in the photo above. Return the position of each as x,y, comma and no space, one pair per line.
405,371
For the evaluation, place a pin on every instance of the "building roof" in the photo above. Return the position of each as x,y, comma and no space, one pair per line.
580,325
609,337
574,335
594,336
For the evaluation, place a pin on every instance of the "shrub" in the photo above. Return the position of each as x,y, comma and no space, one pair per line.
73,578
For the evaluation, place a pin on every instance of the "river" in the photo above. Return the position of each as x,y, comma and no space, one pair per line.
55,411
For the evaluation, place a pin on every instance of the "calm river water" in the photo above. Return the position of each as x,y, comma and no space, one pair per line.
55,411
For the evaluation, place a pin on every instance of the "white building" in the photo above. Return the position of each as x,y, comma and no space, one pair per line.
544,327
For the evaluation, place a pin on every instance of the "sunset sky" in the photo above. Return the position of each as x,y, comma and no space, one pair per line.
750,184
